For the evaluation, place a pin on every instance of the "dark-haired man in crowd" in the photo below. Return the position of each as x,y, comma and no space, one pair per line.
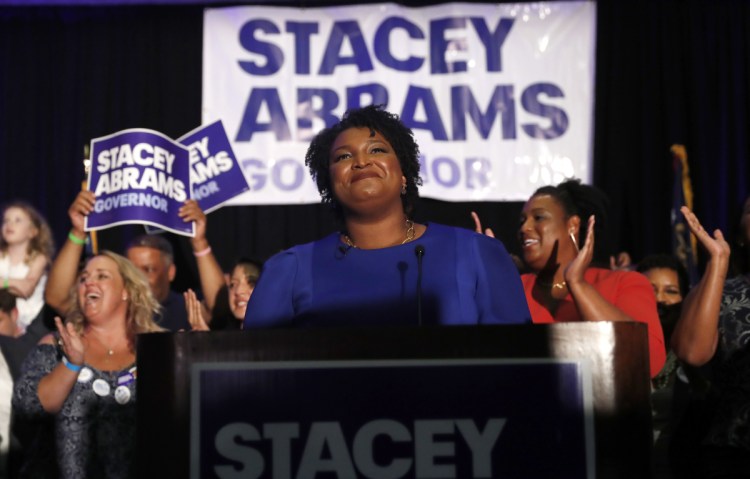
152,254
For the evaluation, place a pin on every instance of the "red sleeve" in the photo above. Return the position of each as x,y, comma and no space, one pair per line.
635,297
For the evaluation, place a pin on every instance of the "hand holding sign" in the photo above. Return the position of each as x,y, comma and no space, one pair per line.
190,211
81,207
139,176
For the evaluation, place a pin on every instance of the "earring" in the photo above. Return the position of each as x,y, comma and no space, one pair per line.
403,189
573,237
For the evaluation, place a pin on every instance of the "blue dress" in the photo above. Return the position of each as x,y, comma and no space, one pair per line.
467,278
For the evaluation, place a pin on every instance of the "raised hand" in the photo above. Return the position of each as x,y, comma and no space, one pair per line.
716,245
478,226
194,311
80,208
574,271
621,262
191,211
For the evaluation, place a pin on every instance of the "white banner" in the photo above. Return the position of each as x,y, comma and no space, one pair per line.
500,97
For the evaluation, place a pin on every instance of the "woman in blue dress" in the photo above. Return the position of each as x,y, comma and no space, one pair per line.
383,268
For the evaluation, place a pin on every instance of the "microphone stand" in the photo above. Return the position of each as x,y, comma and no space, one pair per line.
419,251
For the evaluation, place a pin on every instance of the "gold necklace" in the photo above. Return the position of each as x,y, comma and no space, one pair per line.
110,351
409,235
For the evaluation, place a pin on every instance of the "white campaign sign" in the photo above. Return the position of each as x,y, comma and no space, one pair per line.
500,97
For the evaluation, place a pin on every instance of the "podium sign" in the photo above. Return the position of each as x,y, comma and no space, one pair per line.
396,402
394,419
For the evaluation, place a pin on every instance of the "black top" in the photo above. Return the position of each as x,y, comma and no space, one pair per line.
174,315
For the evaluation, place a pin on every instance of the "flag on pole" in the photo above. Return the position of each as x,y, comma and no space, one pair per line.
684,244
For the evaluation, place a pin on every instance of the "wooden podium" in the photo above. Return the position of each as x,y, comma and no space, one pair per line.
615,355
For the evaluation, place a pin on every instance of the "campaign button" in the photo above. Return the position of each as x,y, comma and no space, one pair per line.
101,387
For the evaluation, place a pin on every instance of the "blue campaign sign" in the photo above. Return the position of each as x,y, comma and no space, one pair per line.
139,176
393,419
216,175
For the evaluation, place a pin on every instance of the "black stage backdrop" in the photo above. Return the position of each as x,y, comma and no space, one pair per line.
667,72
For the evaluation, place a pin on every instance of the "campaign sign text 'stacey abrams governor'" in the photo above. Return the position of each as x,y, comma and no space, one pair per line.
139,176
392,419
500,96
217,177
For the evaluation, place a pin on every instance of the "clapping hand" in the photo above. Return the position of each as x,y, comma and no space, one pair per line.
478,226
194,311
70,341
716,245
574,271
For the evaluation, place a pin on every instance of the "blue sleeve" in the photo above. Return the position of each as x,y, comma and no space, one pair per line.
499,295
272,301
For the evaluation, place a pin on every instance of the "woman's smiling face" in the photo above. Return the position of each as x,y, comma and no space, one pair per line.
364,167
101,290
240,290
545,231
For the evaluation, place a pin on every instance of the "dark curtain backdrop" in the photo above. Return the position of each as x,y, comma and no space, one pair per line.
667,72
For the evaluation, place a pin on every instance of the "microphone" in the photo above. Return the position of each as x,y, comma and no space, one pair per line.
419,251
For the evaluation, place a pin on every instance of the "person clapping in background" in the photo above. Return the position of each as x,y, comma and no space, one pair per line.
714,327
557,232
84,377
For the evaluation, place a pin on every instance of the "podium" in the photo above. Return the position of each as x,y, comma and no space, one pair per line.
560,400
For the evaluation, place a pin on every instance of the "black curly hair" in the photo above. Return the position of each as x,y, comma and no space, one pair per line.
250,267
374,117
666,261
581,200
